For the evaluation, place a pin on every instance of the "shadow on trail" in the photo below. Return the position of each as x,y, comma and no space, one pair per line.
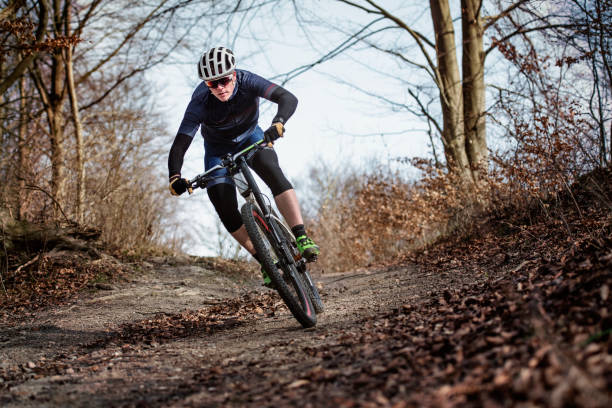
45,336
163,327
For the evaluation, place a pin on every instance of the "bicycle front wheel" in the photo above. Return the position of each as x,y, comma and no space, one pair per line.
313,292
286,281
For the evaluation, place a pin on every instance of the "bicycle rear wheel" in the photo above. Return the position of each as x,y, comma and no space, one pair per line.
288,283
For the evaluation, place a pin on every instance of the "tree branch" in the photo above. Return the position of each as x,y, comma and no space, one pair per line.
43,15
419,38
425,112
126,39
346,44
490,20
522,30
11,9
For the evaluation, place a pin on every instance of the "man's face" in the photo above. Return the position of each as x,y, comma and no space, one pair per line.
223,87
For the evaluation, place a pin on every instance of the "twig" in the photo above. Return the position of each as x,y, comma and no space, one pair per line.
59,207
522,264
30,262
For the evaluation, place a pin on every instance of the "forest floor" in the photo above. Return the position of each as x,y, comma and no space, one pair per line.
516,314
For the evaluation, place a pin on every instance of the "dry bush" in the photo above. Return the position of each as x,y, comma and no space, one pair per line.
377,217
547,159
551,142
125,151
127,194
327,213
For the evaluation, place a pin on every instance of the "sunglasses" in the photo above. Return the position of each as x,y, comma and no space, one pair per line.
221,81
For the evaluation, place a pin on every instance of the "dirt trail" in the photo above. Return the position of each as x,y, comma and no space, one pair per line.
162,339
516,315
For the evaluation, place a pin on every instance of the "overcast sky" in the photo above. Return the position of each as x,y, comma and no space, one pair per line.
334,123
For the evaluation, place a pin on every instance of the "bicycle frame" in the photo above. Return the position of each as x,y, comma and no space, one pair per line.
238,163
265,209
263,224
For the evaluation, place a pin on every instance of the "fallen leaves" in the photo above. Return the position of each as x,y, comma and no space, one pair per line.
165,327
534,330
53,280
538,333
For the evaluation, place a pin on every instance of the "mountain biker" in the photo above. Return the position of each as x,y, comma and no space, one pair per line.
226,107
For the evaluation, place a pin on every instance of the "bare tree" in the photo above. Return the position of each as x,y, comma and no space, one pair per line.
121,39
586,33
461,93
26,44
81,127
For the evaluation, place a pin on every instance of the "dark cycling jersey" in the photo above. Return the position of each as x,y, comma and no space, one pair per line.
228,123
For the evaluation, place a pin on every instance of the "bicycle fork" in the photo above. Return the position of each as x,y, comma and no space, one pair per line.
265,211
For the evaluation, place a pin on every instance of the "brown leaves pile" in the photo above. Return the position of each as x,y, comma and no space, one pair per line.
51,280
539,331
540,335
168,326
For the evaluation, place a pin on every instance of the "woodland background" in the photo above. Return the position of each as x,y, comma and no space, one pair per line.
82,138
482,281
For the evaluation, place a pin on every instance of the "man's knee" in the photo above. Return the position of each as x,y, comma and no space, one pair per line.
265,164
223,197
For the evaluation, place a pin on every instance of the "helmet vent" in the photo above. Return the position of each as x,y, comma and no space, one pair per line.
216,63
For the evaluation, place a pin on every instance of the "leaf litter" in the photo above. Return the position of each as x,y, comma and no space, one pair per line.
515,315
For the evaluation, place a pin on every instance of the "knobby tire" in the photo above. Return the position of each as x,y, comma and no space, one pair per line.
297,300
313,292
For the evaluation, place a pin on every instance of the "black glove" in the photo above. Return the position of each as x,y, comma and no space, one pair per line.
179,185
274,132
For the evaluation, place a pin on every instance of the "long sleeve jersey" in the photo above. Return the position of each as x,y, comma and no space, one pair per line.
230,122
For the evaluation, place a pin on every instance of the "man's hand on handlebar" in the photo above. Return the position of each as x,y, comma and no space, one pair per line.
179,185
274,132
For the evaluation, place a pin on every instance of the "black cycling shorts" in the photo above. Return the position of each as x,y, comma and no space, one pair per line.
223,195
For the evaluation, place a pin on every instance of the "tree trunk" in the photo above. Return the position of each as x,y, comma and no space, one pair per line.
56,118
449,83
474,88
78,127
22,149
58,173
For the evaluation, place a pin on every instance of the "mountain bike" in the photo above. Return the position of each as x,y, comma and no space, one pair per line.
272,238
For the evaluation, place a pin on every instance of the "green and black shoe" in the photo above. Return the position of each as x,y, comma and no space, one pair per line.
267,282
307,248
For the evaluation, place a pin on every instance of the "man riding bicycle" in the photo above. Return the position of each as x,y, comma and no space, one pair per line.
226,106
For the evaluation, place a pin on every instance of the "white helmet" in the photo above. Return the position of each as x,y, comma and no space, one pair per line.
216,63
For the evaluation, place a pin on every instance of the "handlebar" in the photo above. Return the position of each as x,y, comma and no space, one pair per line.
201,180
